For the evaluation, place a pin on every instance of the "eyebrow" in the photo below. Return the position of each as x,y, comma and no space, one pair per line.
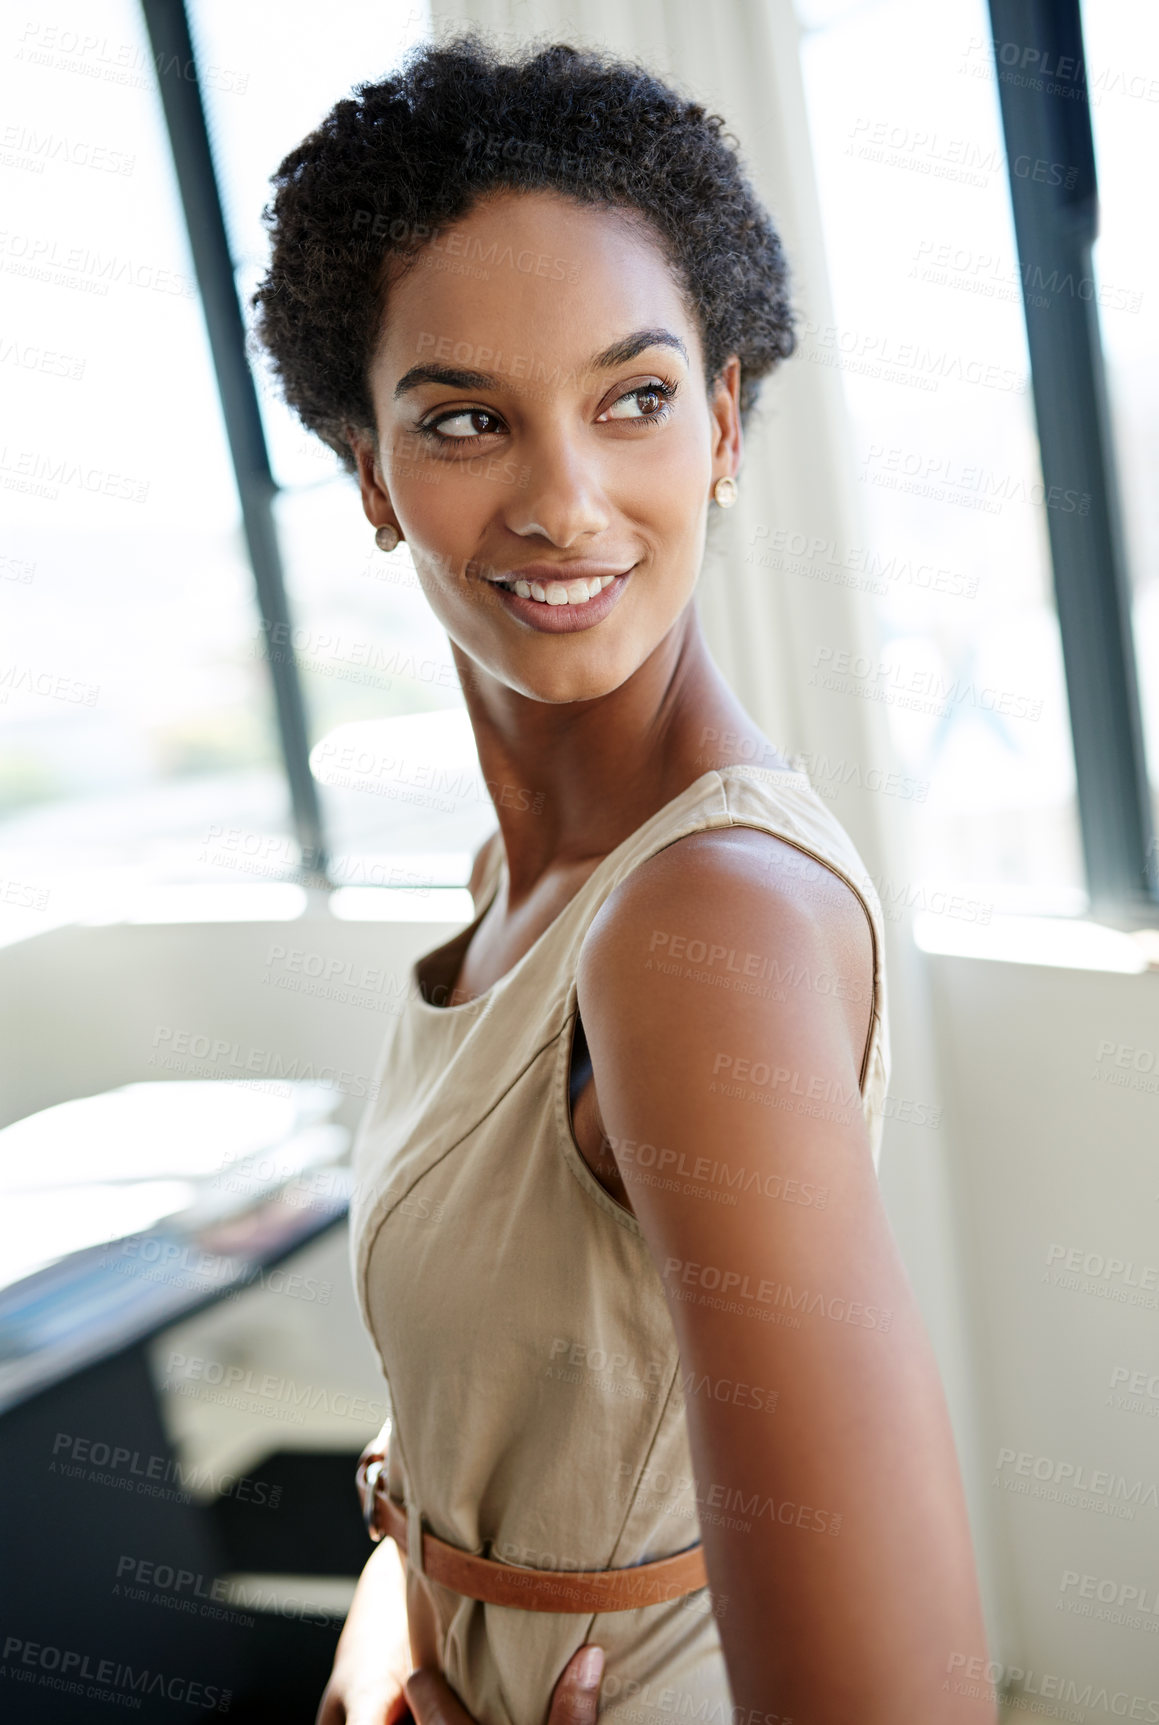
619,353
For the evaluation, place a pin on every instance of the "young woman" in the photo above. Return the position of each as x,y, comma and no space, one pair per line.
658,1379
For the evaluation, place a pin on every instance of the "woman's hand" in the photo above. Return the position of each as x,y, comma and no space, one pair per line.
573,1700
373,1657
374,1682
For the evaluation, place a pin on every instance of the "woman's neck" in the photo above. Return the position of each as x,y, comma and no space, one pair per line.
571,781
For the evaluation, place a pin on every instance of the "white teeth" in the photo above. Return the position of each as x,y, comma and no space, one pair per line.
555,593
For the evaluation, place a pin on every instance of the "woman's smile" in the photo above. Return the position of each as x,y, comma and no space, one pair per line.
557,607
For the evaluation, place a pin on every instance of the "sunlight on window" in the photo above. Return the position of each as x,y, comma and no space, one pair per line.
139,744
930,343
134,719
1122,49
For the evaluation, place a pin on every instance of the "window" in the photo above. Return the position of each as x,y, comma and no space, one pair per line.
1122,54
134,719
139,737
930,343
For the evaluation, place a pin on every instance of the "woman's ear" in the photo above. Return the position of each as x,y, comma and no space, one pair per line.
727,437
376,505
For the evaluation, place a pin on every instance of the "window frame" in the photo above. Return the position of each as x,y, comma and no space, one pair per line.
1049,142
178,82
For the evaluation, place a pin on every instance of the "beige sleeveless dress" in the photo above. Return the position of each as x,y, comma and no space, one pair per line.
537,1414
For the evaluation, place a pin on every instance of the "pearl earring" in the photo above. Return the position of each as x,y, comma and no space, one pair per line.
386,538
725,492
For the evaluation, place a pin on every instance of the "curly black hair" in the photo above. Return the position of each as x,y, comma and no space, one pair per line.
397,161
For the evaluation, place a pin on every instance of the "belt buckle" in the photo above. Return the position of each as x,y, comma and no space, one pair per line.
367,1476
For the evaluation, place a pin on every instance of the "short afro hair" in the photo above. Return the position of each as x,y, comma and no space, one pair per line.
399,160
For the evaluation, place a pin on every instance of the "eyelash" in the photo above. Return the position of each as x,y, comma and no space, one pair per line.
661,387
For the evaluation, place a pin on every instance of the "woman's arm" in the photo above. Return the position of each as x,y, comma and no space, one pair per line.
835,1524
372,1661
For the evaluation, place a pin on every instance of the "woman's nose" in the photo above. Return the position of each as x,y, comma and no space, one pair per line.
562,498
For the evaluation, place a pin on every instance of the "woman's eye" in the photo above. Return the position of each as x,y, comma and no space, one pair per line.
650,400
472,422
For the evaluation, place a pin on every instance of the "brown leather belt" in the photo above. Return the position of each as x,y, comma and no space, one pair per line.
581,1590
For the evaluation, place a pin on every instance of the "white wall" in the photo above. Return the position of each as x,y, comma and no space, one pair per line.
1053,1155
85,1008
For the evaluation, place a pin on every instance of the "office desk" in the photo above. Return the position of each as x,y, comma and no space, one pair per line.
94,1496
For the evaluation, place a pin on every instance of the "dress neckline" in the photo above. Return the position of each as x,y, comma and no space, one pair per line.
467,934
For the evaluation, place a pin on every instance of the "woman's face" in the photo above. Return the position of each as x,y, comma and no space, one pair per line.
542,417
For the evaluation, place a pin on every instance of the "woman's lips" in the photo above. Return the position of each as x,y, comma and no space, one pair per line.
557,612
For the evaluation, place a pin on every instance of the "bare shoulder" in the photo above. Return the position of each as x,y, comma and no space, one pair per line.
726,992
765,875
739,929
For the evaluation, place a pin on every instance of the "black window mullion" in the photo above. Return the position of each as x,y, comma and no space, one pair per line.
1042,87
177,78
